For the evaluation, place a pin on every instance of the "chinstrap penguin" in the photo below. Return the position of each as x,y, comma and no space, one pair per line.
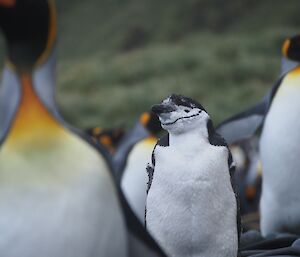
192,208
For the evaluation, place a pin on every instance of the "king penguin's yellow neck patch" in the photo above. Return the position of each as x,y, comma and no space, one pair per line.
295,72
33,125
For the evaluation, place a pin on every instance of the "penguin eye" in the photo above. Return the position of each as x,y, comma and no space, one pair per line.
186,110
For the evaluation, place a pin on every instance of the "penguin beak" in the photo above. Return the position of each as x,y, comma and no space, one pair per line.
163,108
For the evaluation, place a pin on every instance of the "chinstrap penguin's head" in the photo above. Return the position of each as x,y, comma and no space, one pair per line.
180,114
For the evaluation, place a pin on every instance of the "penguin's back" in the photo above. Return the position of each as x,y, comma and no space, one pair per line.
279,149
186,190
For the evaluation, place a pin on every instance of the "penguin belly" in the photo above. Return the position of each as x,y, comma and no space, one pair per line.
280,151
191,207
58,200
134,180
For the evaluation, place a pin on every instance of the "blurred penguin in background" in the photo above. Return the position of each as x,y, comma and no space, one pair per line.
131,157
248,181
278,115
57,195
248,174
109,138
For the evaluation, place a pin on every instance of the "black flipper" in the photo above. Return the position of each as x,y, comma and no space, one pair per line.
163,141
150,172
246,123
140,241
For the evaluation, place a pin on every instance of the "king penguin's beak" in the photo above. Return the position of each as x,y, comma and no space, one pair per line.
163,108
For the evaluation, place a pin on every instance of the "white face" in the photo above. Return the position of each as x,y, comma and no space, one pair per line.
183,119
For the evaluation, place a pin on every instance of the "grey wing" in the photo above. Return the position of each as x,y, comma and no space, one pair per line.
288,65
243,125
9,100
246,123
130,139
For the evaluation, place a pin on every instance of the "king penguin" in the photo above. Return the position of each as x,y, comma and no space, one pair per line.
278,115
109,138
192,208
57,194
133,153
279,152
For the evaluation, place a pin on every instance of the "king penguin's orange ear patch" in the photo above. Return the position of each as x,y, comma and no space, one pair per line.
7,3
144,119
285,47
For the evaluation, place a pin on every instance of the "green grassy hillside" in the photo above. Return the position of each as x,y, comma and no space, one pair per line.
117,58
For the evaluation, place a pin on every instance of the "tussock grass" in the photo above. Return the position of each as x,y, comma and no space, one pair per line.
224,75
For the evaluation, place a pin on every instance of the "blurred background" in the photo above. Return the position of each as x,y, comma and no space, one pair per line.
118,57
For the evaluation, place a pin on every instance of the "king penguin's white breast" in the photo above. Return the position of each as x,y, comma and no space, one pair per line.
59,202
280,150
134,180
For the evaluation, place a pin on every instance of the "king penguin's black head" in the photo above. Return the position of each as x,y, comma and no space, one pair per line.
109,138
180,113
150,121
26,28
291,48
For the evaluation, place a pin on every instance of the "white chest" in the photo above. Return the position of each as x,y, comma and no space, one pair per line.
58,203
134,180
191,207
279,151
279,144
